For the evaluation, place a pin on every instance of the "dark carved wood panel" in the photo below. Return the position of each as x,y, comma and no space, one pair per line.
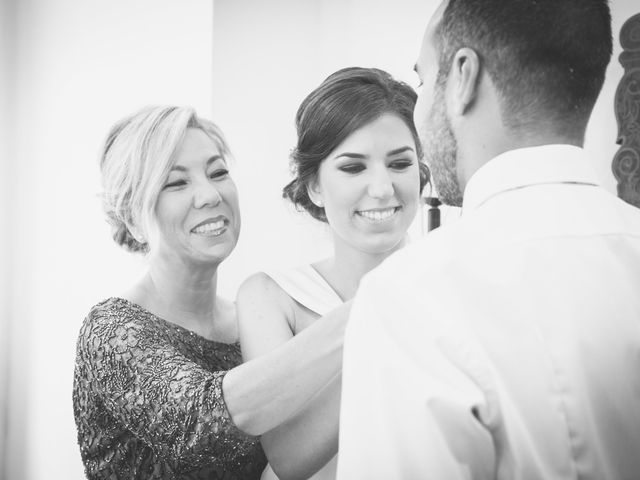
626,163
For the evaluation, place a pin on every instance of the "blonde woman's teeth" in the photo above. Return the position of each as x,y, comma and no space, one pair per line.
377,215
210,228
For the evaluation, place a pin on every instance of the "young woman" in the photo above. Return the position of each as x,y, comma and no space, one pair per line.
358,168
158,392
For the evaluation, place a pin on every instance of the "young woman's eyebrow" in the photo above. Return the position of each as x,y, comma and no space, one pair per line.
400,150
351,155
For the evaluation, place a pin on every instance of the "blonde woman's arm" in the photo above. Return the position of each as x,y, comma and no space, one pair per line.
282,372
304,443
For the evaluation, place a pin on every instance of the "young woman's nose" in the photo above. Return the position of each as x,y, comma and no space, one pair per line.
206,195
381,184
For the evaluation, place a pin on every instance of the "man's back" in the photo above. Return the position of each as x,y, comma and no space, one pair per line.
508,341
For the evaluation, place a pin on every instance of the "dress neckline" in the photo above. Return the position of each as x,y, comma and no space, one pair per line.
167,323
324,281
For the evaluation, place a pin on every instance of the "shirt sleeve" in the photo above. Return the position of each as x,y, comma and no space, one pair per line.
403,415
163,398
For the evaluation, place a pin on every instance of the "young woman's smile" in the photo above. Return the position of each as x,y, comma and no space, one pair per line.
369,185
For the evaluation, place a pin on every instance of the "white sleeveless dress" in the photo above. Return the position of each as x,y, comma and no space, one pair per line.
307,287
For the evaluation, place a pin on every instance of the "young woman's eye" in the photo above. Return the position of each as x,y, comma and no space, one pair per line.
219,173
401,164
352,168
174,184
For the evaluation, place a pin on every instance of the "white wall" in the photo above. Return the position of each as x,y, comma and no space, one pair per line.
81,65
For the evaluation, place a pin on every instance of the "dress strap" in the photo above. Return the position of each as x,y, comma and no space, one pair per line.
307,287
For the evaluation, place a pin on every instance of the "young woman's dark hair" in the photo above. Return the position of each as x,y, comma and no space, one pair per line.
346,101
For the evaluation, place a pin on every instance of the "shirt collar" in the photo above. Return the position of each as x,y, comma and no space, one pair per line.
525,167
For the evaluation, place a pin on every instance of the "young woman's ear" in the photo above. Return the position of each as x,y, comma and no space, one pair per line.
315,194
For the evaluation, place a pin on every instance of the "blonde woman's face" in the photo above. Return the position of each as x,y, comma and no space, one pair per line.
197,213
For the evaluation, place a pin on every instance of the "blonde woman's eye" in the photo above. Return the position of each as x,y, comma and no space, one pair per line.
219,173
176,183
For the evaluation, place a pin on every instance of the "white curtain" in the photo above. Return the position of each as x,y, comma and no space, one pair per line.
6,44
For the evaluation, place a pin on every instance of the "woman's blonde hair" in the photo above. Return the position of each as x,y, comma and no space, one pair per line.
135,162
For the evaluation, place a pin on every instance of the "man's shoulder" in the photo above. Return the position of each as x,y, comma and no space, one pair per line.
629,215
426,257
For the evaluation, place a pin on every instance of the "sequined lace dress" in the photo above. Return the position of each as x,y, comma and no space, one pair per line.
148,404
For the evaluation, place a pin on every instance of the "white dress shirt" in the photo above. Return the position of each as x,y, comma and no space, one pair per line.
505,345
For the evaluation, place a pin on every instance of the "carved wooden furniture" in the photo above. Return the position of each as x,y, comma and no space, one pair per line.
626,163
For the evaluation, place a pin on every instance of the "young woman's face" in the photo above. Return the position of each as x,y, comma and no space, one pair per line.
370,186
197,213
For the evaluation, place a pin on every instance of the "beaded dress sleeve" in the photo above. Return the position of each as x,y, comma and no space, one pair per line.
148,400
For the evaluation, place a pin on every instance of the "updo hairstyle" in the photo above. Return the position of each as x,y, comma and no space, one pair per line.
347,100
135,162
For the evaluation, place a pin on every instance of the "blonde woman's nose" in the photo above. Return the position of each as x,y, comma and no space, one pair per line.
206,195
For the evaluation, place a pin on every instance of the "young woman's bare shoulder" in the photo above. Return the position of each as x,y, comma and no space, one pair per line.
261,288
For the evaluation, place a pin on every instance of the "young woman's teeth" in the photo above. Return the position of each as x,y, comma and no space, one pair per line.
209,227
377,215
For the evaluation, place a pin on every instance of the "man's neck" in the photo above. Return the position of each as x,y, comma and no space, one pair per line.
474,155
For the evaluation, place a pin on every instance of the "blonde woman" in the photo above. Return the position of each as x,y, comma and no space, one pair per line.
158,392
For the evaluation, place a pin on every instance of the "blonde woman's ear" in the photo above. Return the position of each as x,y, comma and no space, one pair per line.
136,232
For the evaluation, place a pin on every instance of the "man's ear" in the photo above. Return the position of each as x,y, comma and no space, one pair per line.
315,193
464,80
